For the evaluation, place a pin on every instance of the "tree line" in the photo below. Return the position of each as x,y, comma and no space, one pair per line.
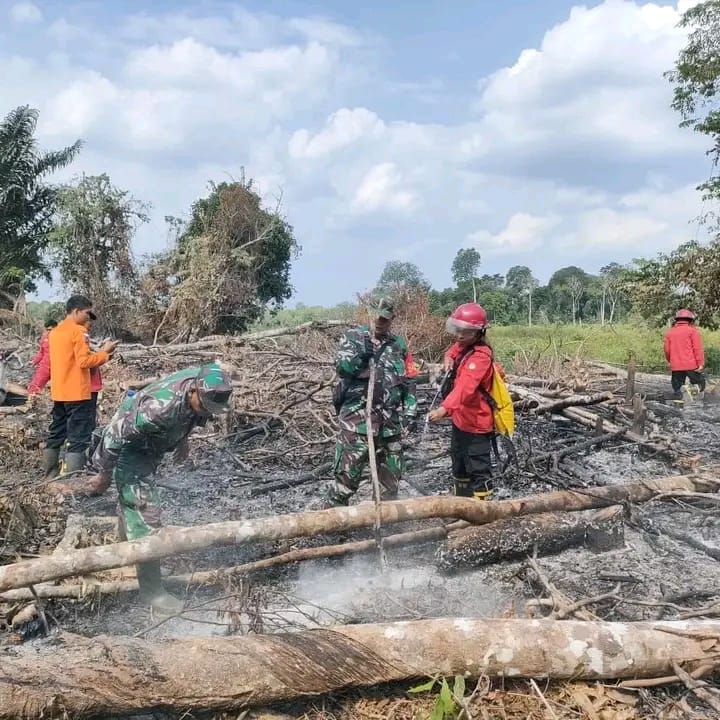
571,295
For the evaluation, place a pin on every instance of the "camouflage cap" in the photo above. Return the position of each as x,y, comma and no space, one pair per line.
214,388
382,307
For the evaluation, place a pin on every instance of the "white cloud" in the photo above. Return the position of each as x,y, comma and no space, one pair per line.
326,32
79,105
592,93
642,222
381,189
342,128
25,13
523,232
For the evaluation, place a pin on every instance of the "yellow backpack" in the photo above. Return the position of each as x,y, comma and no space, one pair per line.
501,404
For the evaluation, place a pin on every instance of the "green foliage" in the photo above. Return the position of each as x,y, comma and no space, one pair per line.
696,78
465,265
292,317
230,264
712,359
449,702
91,246
687,277
398,276
40,312
27,203
609,343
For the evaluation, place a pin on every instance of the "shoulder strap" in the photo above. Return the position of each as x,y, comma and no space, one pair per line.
488,397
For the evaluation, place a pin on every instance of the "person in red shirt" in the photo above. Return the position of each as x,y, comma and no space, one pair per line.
41,361
96,383
470,363
684,353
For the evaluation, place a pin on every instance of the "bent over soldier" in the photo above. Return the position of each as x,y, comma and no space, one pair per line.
394,410
146,426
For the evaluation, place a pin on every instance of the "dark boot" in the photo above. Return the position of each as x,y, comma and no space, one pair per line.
152,591
73,462
51,463
463,488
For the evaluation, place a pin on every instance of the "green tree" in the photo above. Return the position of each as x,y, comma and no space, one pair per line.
570,284
688,276
91,246
696,78
611,283
521,283
397,276
230,264
465,266
27,202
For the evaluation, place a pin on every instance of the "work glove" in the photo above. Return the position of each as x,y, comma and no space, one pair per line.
411,426
368,348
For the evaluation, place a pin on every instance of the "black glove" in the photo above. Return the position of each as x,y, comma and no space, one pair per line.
412,426
368,348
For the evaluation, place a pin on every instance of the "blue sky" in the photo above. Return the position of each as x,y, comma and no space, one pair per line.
540,134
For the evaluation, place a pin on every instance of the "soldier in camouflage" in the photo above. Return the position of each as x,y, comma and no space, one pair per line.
394,410
146,426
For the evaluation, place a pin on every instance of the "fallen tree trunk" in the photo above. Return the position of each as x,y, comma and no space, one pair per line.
573,401
81,677
546,534
214,577
176,540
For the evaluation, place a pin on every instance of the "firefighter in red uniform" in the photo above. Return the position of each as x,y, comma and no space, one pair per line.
470,364
684,353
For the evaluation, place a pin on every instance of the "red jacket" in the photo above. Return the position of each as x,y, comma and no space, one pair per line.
96,383
683,347
41,361
466,405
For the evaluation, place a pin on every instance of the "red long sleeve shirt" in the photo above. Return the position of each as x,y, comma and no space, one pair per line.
683,347
466,404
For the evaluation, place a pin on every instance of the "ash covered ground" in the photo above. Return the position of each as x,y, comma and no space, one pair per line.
651,575
650,567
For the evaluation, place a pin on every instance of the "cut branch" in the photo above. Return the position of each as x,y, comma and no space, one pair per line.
573,401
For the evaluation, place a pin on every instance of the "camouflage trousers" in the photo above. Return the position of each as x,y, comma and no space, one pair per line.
352,456
138,501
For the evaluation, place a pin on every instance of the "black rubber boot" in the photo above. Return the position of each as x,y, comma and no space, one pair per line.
73,462
463,488
152,591
51,463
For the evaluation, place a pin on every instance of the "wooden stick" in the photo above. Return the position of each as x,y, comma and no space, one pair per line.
373,459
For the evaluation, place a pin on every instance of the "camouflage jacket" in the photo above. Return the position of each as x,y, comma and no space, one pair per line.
394,394
154,421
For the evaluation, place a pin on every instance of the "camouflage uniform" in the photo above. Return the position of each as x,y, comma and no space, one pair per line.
394,408
154,421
